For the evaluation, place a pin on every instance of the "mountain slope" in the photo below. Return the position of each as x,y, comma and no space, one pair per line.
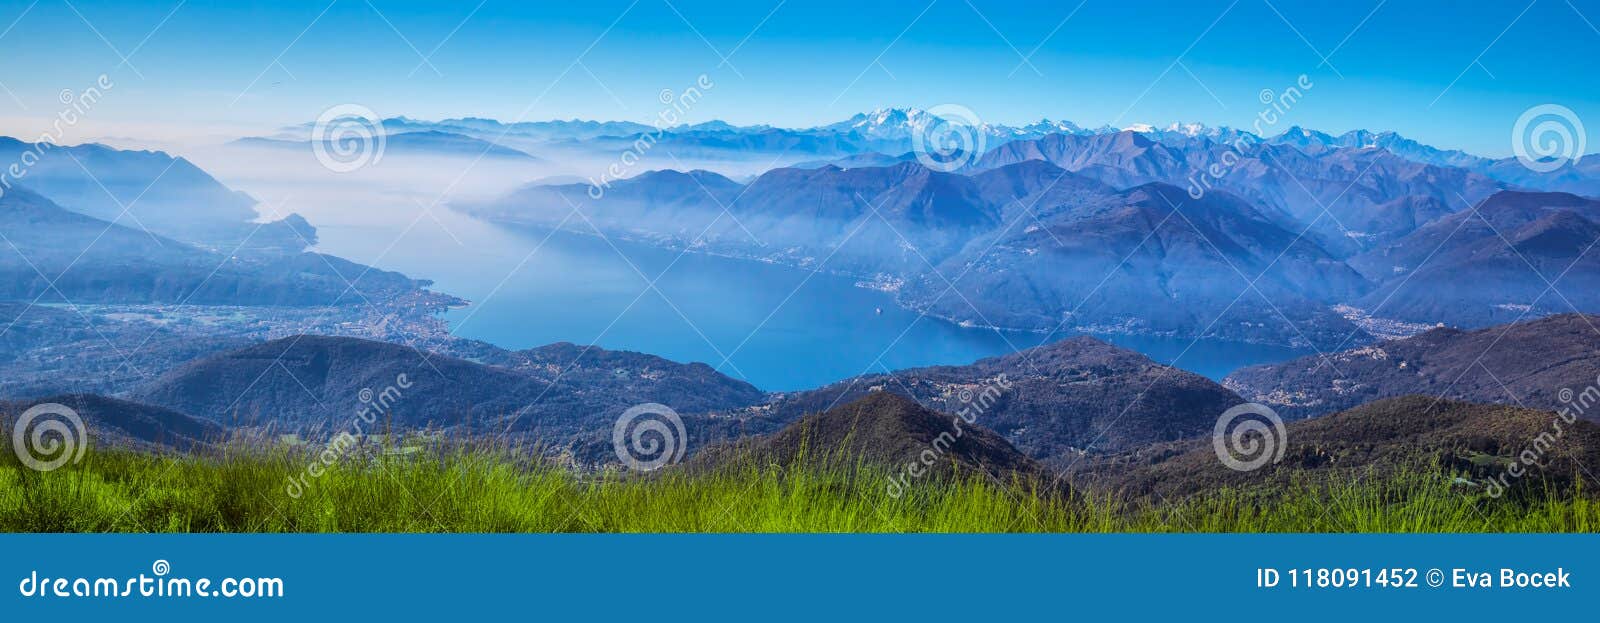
56,255
1148,260
1310,140
1540,364
1358,187
1490,265
141,189
688,387
110,422
1581,177
864,220
321,385
1440,443
883,430
1035,238
1052,402
1035,189
310,382
854,141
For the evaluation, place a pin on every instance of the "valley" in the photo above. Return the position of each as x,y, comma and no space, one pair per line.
1059,315
593,311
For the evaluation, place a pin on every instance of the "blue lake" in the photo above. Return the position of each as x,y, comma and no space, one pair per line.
778,327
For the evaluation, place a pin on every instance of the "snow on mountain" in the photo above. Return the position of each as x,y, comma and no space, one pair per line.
890,131
1046,126
895,124
1192,129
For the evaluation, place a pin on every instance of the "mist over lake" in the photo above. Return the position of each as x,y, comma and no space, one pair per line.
944,268
779,327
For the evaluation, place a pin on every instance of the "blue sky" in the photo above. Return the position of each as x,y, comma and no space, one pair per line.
1454,75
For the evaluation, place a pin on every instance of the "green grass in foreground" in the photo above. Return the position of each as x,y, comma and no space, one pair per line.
483,492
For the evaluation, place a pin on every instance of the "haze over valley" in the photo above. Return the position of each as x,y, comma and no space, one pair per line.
1123,287
692,266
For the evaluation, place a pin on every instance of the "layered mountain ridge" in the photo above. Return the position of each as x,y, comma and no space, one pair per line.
1084,231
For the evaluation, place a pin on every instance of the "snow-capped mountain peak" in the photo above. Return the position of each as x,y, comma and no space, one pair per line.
1046,126
1193,129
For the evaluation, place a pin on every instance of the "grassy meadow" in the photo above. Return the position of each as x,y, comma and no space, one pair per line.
489,491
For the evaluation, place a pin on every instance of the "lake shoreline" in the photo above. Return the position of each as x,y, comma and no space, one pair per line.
942,342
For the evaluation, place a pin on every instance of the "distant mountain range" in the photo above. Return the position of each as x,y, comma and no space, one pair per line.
1149,259
1513,255
1325,235
55,255
1582,177
119,264
414,143
890,131
574,129
887,129
1347,198
889,219
1302,238
143,190
1036,236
